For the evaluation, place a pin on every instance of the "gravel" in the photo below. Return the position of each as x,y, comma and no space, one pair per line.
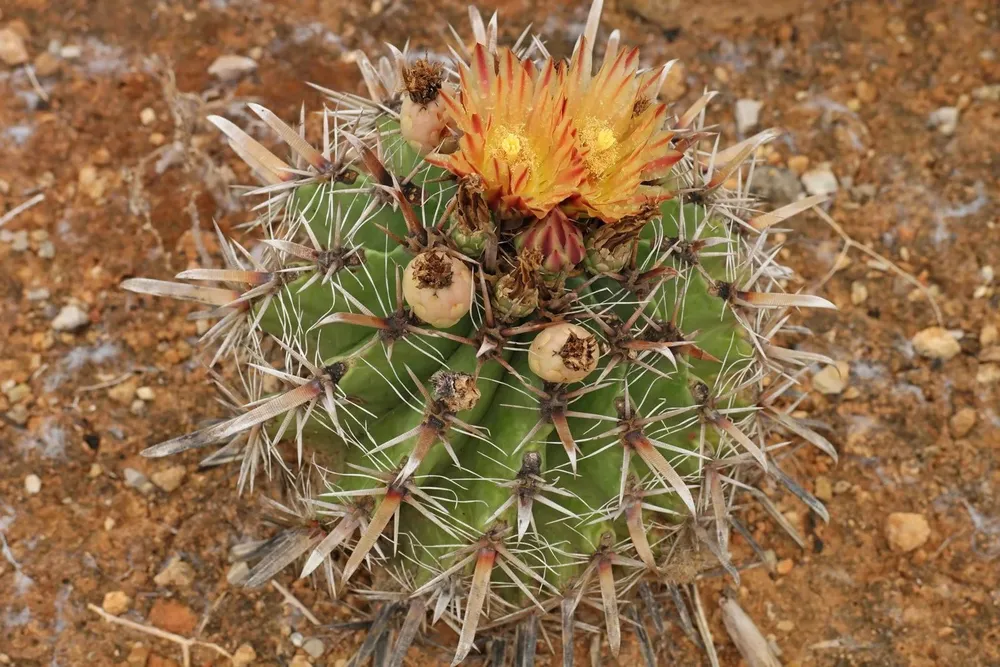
70,318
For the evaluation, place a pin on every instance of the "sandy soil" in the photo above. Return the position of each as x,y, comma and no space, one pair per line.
854,84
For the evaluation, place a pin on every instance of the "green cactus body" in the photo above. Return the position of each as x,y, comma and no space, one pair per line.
471,462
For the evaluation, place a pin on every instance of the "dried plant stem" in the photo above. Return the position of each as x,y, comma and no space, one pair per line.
849,243
21,208
184,642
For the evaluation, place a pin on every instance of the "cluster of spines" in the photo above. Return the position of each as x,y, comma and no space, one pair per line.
298,281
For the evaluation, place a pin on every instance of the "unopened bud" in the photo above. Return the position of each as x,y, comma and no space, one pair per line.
438,288
563,353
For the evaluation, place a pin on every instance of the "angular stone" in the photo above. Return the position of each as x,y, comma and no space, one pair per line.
936,343
907,531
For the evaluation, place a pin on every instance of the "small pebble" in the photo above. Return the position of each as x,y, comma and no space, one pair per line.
145,393
297,639
138,407
244,656
786,626
70,52
237,573
988,374
147,116
18,414
91,182
96,470
822,489
18,392
123,392
137,480
832,379
989,335
747,115
70,318
12,49
820,180
46,64
859,293
945,120
300,661
232,67
866,92
46,250
314,647
798,164
907,531
20,243
785,566
936,343
962,422
176,573
116,603
32,484
777,186
169,479
37,294
109,524
988,93
173,616
139,655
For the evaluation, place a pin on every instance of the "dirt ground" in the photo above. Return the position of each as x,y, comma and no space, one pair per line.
901,101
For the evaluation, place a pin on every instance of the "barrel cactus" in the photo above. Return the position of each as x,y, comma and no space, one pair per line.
506,339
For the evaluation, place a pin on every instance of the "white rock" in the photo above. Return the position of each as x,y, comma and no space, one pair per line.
70,52
12,49
859,293
820,180
944,119
314,647
747,115
137,480
176,573
70,318
147,116
832,379
232,67
32,484
145,393
907,531
936,343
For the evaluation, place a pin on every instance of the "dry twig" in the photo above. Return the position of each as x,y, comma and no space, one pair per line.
183,642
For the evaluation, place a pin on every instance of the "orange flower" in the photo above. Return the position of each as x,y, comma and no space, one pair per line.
516,134
619,135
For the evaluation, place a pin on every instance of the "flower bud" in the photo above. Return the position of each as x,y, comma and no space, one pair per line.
563,353
515,294
610,247
423,120
557,239
471,223
438,288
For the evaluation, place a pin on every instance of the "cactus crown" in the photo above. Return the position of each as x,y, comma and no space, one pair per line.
515,320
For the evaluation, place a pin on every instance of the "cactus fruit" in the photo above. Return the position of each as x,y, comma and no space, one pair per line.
517,321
